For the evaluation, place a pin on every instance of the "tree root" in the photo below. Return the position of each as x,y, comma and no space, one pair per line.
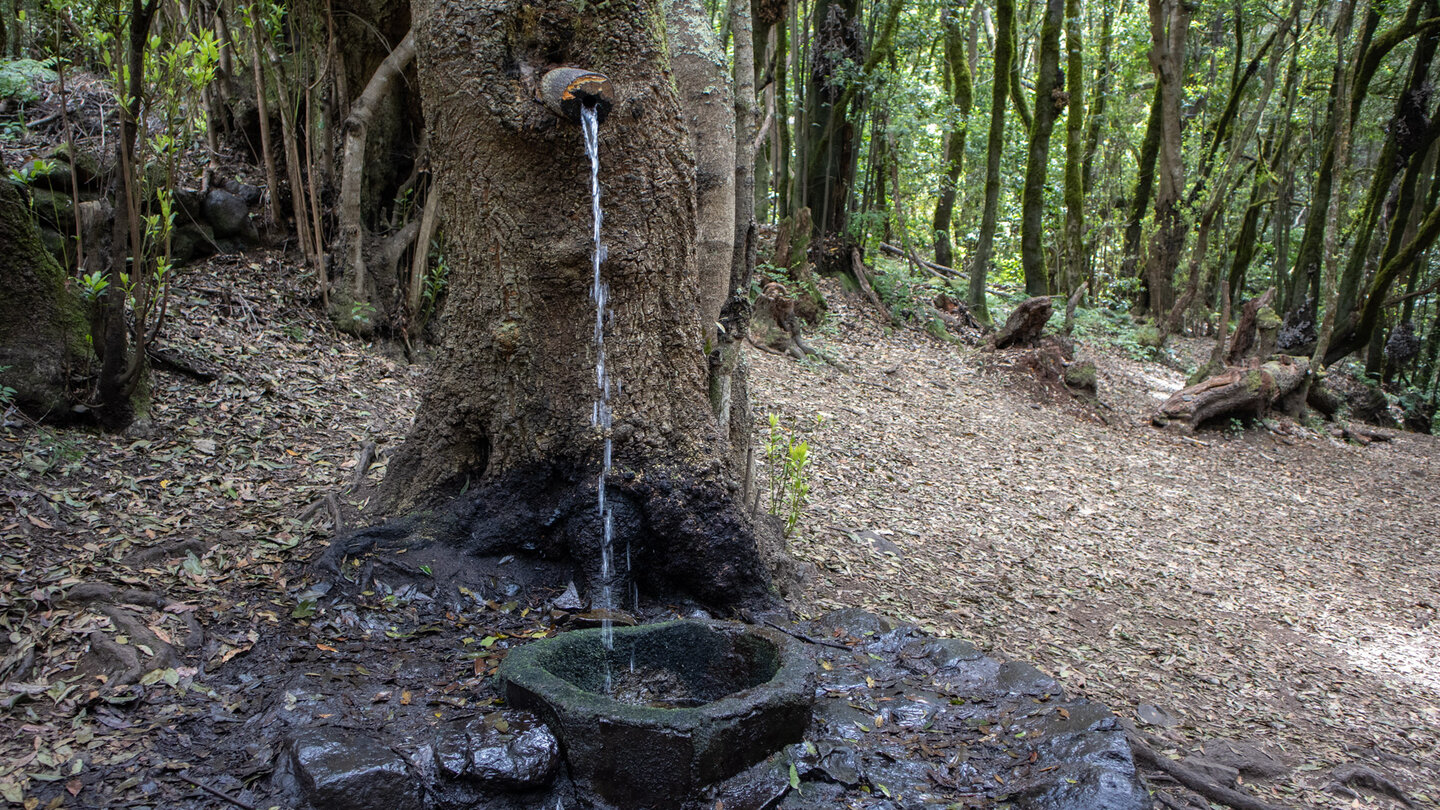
1363,777
363,463
105,599
1192,779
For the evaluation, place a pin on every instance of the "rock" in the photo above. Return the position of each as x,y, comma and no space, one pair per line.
188,242
748,692
1155,716
840,766
876,541
1020,678
47,174
57,244
338,769
1093,767
250,194
188,205
87,166
1250,760
855,622
569,600
228,214
524,756
1216,772
759,787
55,208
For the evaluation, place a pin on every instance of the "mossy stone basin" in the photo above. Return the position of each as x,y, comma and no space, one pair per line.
704,701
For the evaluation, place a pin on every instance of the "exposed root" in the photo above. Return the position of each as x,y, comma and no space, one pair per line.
1192,779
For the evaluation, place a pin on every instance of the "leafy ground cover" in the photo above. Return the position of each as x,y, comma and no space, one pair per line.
1271,585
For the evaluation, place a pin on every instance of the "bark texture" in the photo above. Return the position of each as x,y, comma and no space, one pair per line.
43,327
509,404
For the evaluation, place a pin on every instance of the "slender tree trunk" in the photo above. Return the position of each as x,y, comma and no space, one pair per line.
1328,291
999,91
355,287
1047,106
1074,253
1140,199
262,105
1100,98
1169,23
957,73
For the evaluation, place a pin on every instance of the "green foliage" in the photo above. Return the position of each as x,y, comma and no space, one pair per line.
1116,330
362,313
787,460
93,285
18,78
7,394
908,294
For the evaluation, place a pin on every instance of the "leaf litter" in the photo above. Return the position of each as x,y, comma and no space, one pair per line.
1272,586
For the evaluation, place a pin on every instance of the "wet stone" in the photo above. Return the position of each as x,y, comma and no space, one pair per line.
228,214
1020,678
338,769
760,787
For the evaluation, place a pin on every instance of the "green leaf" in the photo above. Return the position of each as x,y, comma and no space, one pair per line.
794,777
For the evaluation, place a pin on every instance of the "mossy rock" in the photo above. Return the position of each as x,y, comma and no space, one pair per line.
88,170
1082,376
55,208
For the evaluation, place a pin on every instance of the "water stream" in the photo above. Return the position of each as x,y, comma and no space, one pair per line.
600,414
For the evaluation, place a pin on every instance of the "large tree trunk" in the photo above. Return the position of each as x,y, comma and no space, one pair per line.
506,419
43,329
957,78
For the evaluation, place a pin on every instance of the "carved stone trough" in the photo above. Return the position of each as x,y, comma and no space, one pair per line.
690,703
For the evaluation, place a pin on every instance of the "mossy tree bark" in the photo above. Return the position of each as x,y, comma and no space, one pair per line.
957,80
1048,104
995,146
1169,23
506,416
43,327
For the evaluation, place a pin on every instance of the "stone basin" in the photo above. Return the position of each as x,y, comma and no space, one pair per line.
705,701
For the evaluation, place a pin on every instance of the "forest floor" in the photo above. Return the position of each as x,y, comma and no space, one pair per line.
1269,585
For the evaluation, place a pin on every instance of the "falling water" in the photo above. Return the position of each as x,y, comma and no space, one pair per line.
600,413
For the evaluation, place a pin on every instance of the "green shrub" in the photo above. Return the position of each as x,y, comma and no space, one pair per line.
18,78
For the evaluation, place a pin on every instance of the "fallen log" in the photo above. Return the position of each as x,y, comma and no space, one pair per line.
1235,392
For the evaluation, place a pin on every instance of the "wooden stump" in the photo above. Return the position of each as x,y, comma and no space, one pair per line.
1023,326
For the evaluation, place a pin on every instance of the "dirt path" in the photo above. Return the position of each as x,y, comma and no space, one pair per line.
1280,589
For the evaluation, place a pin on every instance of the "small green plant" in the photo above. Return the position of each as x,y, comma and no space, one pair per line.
362,312
788,461
7,394
93,285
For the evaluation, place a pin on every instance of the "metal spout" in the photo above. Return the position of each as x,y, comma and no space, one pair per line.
568,90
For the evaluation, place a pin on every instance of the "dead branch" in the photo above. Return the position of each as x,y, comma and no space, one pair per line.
217,793
862,276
